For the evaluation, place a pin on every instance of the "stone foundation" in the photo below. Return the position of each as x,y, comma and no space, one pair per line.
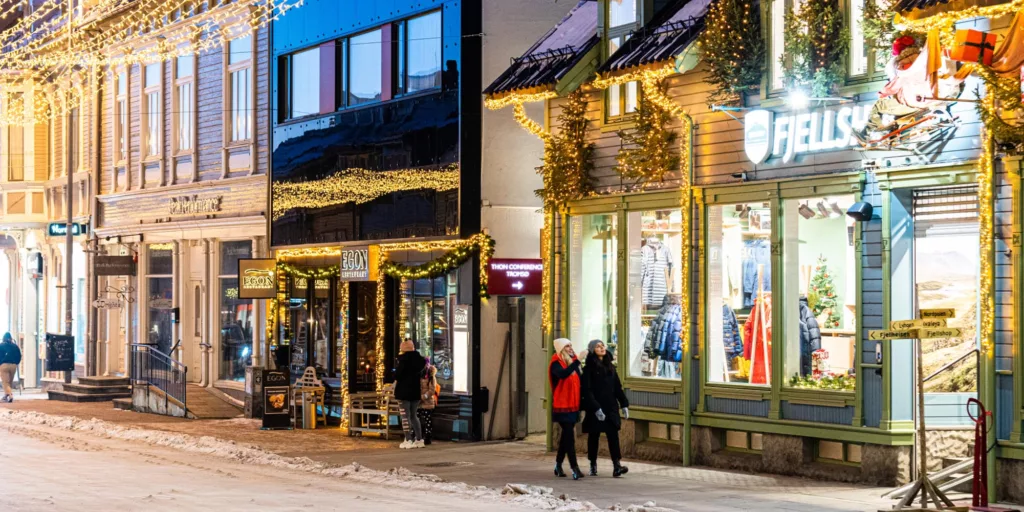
948,444
1010,480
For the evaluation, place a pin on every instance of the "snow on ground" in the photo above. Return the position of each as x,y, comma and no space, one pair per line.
348,480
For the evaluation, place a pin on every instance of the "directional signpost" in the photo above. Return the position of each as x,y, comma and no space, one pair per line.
930,325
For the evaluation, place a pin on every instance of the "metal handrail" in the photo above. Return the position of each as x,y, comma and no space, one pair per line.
973,352
153,368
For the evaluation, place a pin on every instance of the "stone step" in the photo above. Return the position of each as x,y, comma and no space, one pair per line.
96,390
124,404
104,381
71,396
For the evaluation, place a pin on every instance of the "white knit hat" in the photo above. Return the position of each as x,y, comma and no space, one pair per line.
560,344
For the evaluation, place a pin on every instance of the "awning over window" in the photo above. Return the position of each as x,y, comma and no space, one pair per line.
671,31
553,55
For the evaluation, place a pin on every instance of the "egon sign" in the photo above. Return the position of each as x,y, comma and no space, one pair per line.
767,136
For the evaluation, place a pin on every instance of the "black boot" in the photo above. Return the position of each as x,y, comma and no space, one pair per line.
426,439
558,470
619,469
593,468
576,473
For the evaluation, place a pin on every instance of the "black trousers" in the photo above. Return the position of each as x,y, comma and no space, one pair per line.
594,438
426,422
567,445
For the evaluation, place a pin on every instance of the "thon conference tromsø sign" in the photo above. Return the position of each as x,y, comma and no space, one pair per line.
515,276
767,136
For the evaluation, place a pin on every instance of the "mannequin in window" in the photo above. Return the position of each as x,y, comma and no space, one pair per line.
655,272
810,336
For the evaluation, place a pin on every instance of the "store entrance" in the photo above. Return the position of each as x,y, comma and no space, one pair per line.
942,233
314,309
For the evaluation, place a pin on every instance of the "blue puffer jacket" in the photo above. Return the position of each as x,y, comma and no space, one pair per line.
666,329
731,333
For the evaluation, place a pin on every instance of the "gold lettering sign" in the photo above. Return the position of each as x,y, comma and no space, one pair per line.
937,313
193,205
257,278
903,325
891,335
926,334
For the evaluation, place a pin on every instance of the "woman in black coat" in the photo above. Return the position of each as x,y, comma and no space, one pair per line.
602,398
407,392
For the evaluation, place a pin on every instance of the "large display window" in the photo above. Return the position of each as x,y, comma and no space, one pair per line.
236,319
593,264
160,290
425,314
654,290
739,293
819,282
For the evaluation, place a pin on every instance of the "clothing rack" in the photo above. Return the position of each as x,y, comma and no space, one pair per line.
760,323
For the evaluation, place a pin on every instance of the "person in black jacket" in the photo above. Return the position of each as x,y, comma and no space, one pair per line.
407,391
602,398
10,358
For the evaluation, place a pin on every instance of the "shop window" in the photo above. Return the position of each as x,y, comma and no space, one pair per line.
364,68
819,281
160,287
655,285
236,315
425,313
739,291
593,261
419,53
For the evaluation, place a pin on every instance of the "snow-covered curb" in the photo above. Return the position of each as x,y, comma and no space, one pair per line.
525,495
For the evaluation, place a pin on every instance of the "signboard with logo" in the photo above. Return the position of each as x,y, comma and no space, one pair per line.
194,205
358,263
461,347
107,303
321,287
115,265
276,390
61,229
768,136
515,276
257,278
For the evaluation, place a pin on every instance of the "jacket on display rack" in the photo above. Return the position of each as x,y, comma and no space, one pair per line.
756,252
655,269
758,331
663,339
731,333
810,336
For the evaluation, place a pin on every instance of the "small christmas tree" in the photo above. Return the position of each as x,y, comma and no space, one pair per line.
647,149
733,47
825,289
567,156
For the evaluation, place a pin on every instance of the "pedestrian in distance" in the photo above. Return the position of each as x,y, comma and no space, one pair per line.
602,399
430,390
564,374
10,358
407,392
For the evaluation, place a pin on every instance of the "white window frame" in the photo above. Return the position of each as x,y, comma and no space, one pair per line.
229,71
192,110
121,146
7,96
80,140
620,32
151,150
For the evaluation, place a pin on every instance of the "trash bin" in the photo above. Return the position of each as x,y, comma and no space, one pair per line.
308,410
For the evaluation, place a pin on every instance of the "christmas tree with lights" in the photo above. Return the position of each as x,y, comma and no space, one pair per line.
647,148
823,287
567,156
733,48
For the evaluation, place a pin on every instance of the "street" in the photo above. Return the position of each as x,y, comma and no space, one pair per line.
185,465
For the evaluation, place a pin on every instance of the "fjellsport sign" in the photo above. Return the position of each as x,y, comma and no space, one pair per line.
767,136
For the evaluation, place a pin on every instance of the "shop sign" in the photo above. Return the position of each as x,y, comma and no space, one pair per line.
359,263
106,303
767,136
257,278
114,265
938,313
276,390
892,335
927,334
898,325
322,287
515,277
193,205
161,303
461,348
61,229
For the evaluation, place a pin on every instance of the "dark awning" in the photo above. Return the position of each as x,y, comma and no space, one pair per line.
673,29
548,60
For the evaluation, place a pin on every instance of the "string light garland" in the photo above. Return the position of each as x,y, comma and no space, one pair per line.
513,98
378,345
458,252
646,153
733,48
815,44
568,157
986,177
309,252
359,186
1005,96
308,273
519,114
346,401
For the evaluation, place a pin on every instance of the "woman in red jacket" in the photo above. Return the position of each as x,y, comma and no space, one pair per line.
564,374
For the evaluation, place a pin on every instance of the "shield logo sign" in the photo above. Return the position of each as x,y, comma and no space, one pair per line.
757,135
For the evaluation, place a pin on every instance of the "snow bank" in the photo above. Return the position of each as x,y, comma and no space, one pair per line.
519,494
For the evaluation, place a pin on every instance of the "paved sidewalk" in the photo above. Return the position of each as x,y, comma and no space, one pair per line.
494,464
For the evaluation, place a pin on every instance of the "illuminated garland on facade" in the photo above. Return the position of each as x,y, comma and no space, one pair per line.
944,21
346,401
459,251
518,98
309,252
359,186
378,341
308,273
986,177
1005,96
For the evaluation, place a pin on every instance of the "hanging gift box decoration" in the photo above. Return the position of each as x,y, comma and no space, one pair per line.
973,46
